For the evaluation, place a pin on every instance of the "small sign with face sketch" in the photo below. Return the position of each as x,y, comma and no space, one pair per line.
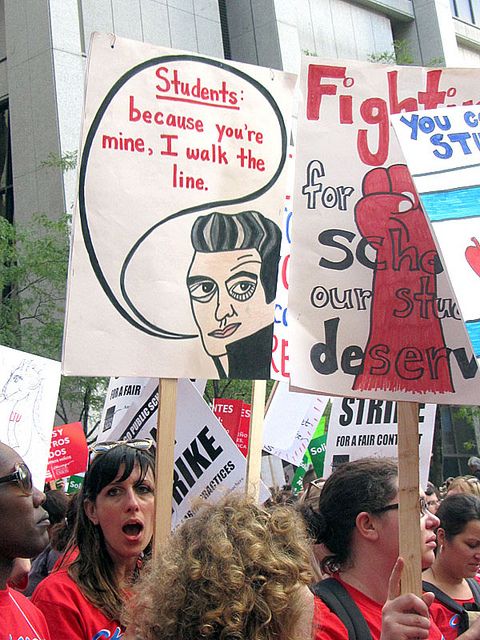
28,397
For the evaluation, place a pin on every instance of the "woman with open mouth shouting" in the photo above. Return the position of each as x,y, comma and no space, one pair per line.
114,528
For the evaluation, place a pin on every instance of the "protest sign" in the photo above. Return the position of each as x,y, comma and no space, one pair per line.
177,229
121,394
272,472
314,455
317,448
280,351
28,397
359,428
371,311
228,412
74,484
441,148
207,461
290,422
243,433
68,453
234,415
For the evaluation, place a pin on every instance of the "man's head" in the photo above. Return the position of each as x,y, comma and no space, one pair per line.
233,276
474,463
24,523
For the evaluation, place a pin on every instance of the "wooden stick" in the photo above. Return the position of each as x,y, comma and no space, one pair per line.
408,484
255,439
271,395
166,422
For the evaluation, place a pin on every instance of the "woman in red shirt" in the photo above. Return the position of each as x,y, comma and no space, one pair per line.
357,520
457,558
83,600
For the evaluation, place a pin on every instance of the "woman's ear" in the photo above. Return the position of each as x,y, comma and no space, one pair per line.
366,526
440,537
90,510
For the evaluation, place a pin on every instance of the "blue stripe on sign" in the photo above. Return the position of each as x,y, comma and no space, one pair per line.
473,328
452,205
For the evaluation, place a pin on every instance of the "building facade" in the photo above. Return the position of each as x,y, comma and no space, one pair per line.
43,46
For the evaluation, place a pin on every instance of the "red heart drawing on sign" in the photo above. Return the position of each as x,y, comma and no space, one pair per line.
472,254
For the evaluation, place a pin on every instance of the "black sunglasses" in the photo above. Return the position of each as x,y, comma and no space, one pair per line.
103,447
22,476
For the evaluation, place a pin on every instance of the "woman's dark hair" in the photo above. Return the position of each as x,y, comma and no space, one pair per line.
456,511
368,485
56,505
63,531
93,570
245,230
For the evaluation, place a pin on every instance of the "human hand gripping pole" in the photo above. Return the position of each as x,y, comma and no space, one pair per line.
405,617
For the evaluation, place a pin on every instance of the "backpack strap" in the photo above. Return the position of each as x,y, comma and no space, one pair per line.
450,603
475,588
442,597
340,602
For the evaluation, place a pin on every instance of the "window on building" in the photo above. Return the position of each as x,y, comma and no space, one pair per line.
6,178
467,10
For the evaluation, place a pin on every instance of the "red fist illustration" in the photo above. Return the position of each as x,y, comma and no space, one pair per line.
406,349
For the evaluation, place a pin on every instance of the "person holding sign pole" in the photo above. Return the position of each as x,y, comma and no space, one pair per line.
453,575
357,520
113,530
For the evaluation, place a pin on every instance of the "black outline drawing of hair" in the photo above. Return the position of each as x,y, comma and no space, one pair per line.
245,230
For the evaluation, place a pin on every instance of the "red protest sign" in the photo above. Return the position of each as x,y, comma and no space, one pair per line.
235,417
68,452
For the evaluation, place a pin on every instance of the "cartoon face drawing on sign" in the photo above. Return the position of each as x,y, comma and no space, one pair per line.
23,392
232,281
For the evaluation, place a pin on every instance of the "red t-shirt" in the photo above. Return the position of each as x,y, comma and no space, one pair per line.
445,619
70,616
327,626
20,619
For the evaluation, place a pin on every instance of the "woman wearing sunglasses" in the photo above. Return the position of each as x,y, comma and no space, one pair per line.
114,528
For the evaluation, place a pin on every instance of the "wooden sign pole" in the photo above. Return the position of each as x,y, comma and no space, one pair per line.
408,484
166,422
255,440
271,395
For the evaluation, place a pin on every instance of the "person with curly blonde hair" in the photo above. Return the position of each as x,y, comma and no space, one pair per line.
234,570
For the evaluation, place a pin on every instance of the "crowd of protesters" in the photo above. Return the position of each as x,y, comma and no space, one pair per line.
325,566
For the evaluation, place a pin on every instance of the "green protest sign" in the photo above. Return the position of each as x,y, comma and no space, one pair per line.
74,484
314,455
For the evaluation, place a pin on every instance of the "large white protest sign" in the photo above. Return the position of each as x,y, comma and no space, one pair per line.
177,229
359,428
442,149
28,398
290,422
208,464
371,311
